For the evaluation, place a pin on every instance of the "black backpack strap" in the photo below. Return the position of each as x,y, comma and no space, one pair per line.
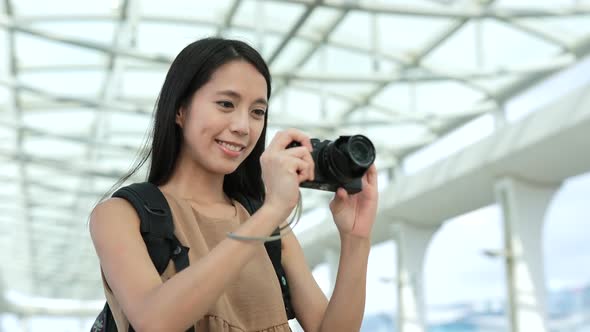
156,226
273,248
104,321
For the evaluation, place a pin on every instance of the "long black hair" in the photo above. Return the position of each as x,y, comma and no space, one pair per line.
192,69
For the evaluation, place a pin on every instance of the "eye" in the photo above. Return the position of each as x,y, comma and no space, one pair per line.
225,104
259,112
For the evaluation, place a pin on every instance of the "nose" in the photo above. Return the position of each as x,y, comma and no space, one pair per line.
240,122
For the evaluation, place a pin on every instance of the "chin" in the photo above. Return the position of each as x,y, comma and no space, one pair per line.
226,169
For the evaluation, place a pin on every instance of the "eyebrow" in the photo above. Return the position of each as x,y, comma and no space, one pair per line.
236,95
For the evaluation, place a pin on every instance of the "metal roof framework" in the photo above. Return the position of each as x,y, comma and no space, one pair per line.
78,81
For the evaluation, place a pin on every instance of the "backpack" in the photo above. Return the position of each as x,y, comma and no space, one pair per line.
157,230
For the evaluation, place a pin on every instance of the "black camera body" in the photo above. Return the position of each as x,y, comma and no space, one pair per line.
340,163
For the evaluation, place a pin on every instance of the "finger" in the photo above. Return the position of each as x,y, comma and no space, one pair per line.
304,154
297,166
302,177
298,136
341,193
285,137
299,152
372,175
339,198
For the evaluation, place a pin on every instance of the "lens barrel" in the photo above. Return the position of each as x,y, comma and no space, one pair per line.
346,158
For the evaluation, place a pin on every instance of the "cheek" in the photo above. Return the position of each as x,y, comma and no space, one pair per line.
256,130
204,127
195,138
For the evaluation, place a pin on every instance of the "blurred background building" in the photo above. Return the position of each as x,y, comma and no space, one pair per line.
479,110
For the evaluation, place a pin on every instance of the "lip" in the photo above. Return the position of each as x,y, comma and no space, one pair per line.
230,153
232,143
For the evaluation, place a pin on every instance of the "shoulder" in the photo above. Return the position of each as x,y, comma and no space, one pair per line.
113,214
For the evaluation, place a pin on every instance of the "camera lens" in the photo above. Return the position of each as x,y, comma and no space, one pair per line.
361,151
347,158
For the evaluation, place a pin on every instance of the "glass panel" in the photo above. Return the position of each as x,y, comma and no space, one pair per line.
132,123
370,115
338,60
352,91
69,7
126,139
74,121
395,39
354,29
136,84
505,46
7,138
55,149
304,105
10,188
444,97
541,4
47,181
318,22
397,135
99,32
291,56
87,83
27,48
499,82
568,29
169,39
280,16
211,11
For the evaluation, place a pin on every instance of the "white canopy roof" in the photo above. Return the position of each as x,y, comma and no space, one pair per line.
78,81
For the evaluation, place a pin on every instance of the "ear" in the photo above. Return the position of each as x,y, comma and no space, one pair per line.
180,117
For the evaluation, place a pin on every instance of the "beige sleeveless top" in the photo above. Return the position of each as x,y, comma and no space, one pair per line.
253,302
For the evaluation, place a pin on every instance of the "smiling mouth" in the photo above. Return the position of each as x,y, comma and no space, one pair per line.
231,147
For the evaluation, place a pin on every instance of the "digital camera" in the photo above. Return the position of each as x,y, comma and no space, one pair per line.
340,163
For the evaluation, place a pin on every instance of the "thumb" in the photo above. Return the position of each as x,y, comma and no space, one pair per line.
339,198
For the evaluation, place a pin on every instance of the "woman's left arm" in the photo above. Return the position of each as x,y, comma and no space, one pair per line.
354,216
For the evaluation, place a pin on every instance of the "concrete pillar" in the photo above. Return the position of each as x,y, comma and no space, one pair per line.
523,207
412,241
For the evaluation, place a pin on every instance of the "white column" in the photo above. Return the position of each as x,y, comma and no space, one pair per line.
412,241
523,207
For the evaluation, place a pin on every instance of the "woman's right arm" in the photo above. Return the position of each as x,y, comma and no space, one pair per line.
178,303
183,299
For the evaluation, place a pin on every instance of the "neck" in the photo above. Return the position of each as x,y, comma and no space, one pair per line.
191,181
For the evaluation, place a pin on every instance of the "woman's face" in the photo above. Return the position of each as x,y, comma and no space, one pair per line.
225,117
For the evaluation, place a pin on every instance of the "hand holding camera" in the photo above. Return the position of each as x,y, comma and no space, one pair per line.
284,169
340,163
344,166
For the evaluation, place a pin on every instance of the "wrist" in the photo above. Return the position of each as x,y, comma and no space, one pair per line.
278,213
355,240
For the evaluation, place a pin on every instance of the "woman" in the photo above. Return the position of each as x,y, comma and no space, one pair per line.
208,144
